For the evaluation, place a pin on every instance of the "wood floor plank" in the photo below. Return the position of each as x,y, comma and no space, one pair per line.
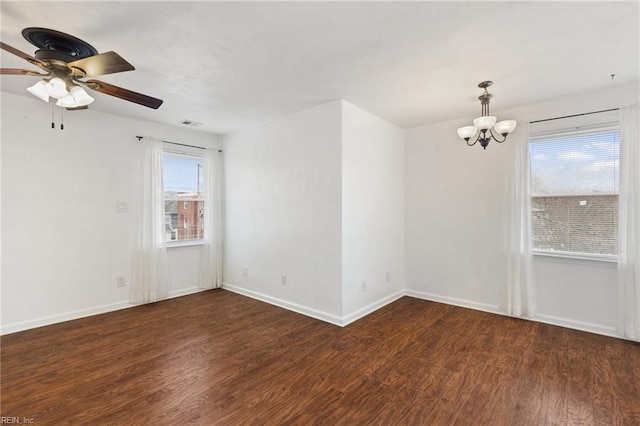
218,358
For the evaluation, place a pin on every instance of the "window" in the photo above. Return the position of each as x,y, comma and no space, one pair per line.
574,192
183,178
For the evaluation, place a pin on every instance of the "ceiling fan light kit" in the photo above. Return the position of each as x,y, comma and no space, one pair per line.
67,61
56,88
485,127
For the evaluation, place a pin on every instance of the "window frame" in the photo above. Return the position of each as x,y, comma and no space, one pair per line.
187,152
581,130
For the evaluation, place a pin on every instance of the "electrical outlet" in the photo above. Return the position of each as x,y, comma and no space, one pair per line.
122,207
245,271
364,286
283,279
121,281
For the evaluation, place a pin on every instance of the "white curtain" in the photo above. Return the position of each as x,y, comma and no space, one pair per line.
211,269
629,225
519,300
150,275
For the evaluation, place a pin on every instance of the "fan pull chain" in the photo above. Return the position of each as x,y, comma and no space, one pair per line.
53,120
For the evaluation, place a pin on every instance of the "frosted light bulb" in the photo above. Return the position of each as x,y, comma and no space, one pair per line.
56,88
506,126
485,122
80,96
466,132
39,90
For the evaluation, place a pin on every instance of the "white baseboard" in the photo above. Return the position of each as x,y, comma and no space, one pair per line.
363,312
546,319
453,301
73,315
67,316
310,312
578,325
313,313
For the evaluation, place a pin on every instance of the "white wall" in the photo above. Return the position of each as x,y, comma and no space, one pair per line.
63,244
283,197
372,210
456,213
305,197
455,196
318,196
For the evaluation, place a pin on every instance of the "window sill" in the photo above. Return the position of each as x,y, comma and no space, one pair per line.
188,243
568,256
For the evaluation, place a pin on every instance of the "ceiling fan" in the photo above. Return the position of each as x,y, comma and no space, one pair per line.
67,62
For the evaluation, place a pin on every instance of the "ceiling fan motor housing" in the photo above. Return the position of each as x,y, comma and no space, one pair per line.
56,45
54,55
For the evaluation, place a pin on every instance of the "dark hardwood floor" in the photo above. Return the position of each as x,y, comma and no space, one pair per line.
220,358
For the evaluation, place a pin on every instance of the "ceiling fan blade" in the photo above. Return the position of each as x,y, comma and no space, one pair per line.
19,71
104,63
21,54
77,108
119,92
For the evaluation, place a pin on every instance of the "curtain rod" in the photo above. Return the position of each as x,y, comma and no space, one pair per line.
176,143
574,115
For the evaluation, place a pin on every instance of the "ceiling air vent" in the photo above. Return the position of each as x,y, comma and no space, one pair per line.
190,123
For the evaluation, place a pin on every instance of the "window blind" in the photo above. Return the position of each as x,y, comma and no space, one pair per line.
574,187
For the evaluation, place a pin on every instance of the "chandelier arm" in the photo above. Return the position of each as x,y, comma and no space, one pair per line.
495,138
474,142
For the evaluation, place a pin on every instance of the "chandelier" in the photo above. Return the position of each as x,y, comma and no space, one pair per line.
484,126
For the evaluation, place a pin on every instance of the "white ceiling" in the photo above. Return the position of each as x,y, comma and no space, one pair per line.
234,64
